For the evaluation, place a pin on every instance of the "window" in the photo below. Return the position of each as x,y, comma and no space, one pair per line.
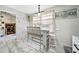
36,20
46,22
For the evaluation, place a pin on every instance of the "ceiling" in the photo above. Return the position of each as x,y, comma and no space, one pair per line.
29,9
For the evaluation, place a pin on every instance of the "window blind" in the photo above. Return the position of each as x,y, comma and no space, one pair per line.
46,22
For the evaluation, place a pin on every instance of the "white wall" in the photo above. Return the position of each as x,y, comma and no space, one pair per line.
66,27
21,21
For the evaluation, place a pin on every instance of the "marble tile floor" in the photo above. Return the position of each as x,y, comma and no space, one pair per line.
16,46
20,46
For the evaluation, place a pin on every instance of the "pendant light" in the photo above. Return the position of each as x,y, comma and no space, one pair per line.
38,10
39,15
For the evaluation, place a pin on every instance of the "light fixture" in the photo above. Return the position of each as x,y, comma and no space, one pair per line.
38,10
39,15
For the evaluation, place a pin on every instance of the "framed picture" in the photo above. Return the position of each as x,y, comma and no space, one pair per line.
2,22
10,28
71,12
2,27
